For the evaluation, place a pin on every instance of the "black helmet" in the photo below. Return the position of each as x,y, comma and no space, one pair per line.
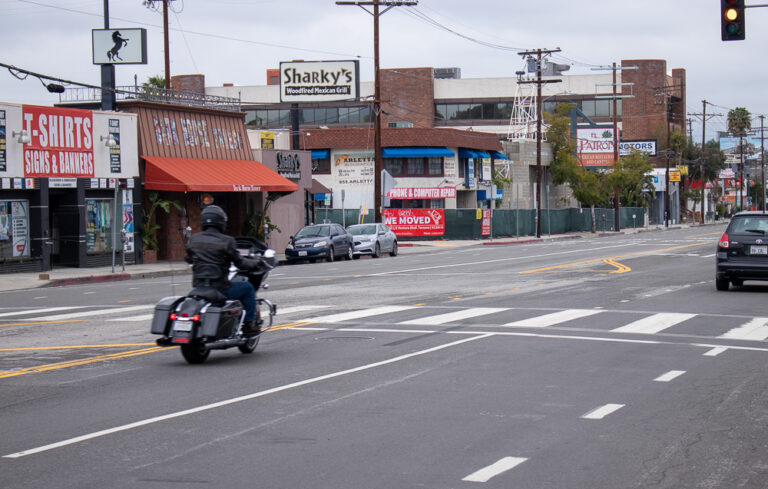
214,215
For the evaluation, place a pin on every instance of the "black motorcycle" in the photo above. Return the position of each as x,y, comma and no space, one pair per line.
205,320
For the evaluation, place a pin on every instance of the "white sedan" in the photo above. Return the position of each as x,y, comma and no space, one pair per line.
372,239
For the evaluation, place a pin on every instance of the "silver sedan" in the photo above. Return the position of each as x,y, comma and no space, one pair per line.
373,239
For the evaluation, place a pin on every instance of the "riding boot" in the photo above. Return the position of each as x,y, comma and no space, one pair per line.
250,328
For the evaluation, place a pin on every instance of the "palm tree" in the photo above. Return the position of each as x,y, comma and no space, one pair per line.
739,121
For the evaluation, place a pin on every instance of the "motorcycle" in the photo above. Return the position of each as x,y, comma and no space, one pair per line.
206,320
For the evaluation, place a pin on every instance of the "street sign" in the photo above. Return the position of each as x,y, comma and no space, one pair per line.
674,176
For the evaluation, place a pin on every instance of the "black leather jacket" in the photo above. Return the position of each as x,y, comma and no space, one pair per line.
210,252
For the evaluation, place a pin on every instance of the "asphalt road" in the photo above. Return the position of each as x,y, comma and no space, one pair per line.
609,362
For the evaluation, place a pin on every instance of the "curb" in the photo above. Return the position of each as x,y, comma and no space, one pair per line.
88,280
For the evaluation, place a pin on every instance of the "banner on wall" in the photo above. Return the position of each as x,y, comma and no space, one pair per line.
114,151
2,141
486,223
415,222
61,142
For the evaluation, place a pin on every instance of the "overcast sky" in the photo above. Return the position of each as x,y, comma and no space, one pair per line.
236,41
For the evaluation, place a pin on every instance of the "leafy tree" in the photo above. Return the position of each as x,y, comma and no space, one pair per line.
590,188
633,178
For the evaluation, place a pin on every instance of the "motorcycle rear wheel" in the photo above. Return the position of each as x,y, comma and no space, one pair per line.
195,352
249,345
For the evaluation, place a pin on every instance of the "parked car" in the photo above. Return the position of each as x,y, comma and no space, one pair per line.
373,239
742,252
329,241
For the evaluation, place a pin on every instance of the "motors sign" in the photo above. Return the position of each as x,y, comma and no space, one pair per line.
319,81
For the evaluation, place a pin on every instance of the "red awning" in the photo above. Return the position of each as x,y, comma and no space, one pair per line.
201,175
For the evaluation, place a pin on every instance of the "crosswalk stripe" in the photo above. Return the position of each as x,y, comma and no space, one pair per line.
654,324
757,329
362,313
291,310
454,316
554,318
40,311
97,312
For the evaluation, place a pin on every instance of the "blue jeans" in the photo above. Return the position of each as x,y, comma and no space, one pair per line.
245,293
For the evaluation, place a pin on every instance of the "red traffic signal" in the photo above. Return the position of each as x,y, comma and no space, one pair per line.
732,20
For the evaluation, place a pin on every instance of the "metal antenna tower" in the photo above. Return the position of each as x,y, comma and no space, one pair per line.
523,120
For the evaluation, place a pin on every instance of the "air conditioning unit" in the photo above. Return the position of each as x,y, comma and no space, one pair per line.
448,73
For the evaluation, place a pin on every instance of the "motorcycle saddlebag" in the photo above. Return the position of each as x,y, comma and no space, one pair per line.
163,309
220,322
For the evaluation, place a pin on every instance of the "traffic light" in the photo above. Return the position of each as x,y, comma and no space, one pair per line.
732,20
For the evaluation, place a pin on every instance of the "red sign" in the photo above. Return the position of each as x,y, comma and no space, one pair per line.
415,222
422,193
61,142
486,223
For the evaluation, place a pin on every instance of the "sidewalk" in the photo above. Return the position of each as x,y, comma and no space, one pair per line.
71,276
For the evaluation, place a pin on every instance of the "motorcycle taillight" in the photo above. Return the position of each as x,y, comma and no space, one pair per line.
195,318
173,317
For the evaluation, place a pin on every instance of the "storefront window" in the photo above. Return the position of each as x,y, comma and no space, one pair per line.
435,166
100,217
14,229
321,166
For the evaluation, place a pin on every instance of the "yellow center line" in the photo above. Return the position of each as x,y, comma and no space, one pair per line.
42,322
75,363
290,325
76,347
611,260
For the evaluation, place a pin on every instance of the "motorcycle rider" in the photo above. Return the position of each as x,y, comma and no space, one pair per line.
210,252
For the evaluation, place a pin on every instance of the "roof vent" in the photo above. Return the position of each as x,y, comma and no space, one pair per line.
448,73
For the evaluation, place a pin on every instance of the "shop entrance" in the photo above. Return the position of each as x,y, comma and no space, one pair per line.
64,217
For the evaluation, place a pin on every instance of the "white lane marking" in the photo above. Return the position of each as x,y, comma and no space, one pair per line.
669,376
42,297
88,293
40,311
291,310
97,312
142,317
715,351
554,318
756,329
362,313
503,465
709,256
455,316
247,397
654,324
603,411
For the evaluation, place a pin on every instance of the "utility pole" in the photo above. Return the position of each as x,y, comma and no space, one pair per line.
762,158
540,53
166,43
108,101
704,118
616,157
378,161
